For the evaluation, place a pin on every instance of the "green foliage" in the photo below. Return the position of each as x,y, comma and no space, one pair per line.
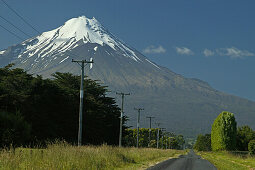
173,143
51,106
169,140
203,143
228,161
251,147
14,130
244,135
153,144
223,133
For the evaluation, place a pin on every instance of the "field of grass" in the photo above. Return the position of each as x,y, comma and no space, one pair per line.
230,161
65,156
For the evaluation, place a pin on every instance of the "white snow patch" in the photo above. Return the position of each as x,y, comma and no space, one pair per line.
152,63
95,49
64,59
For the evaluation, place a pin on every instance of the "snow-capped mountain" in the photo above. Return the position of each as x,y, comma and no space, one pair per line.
75,32
183,105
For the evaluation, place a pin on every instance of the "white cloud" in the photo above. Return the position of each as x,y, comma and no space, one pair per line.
234,52
208,52
183,51
154,50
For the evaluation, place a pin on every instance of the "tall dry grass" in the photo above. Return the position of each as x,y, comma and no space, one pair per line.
65,156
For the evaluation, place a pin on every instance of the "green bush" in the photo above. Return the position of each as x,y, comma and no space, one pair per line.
251,147
223,133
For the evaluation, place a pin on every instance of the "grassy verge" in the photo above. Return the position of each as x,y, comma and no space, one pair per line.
229,161
64,156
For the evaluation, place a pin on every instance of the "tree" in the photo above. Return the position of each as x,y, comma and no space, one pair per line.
14,130
223,133
203,143
251,147
244,135
51,106
173,143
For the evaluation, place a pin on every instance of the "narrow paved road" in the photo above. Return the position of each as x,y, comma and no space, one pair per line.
191,161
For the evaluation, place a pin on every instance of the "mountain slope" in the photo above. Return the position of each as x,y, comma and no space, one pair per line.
183,105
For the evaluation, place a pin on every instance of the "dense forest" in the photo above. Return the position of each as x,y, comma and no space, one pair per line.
34,110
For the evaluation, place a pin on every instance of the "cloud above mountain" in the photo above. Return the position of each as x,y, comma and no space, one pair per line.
208,52
234,52
184,51
231,52
154,50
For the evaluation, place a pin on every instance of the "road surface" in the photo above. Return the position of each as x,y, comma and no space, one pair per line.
191,161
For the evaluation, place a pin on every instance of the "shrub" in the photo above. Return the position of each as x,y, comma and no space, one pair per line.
251,147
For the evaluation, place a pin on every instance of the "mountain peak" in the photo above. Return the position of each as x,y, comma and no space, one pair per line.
75,32
81,28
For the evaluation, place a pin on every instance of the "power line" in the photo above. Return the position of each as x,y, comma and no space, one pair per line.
31,25
12,33
20,16
14,26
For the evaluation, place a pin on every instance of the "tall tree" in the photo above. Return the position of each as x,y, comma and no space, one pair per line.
223,133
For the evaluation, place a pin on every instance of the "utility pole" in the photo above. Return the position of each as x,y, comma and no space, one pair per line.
150,117
81,97
121,115
158,124
138,122
162,129
166,141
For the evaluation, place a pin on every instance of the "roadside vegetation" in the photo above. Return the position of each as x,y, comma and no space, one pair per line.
64,156
228,147
224,160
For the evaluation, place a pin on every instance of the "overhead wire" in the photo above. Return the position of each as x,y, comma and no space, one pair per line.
12,33
15,26
20,16
30,25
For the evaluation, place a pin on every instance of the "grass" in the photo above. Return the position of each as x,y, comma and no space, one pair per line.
65,156
230,161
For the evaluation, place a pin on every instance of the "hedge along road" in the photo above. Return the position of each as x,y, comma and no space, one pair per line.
191,161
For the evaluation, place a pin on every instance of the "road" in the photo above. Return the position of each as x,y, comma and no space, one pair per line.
191,161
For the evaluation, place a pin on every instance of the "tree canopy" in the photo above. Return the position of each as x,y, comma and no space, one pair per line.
223,133
51,106
203,142
244,135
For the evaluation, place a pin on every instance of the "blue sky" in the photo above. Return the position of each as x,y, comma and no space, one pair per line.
212,40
